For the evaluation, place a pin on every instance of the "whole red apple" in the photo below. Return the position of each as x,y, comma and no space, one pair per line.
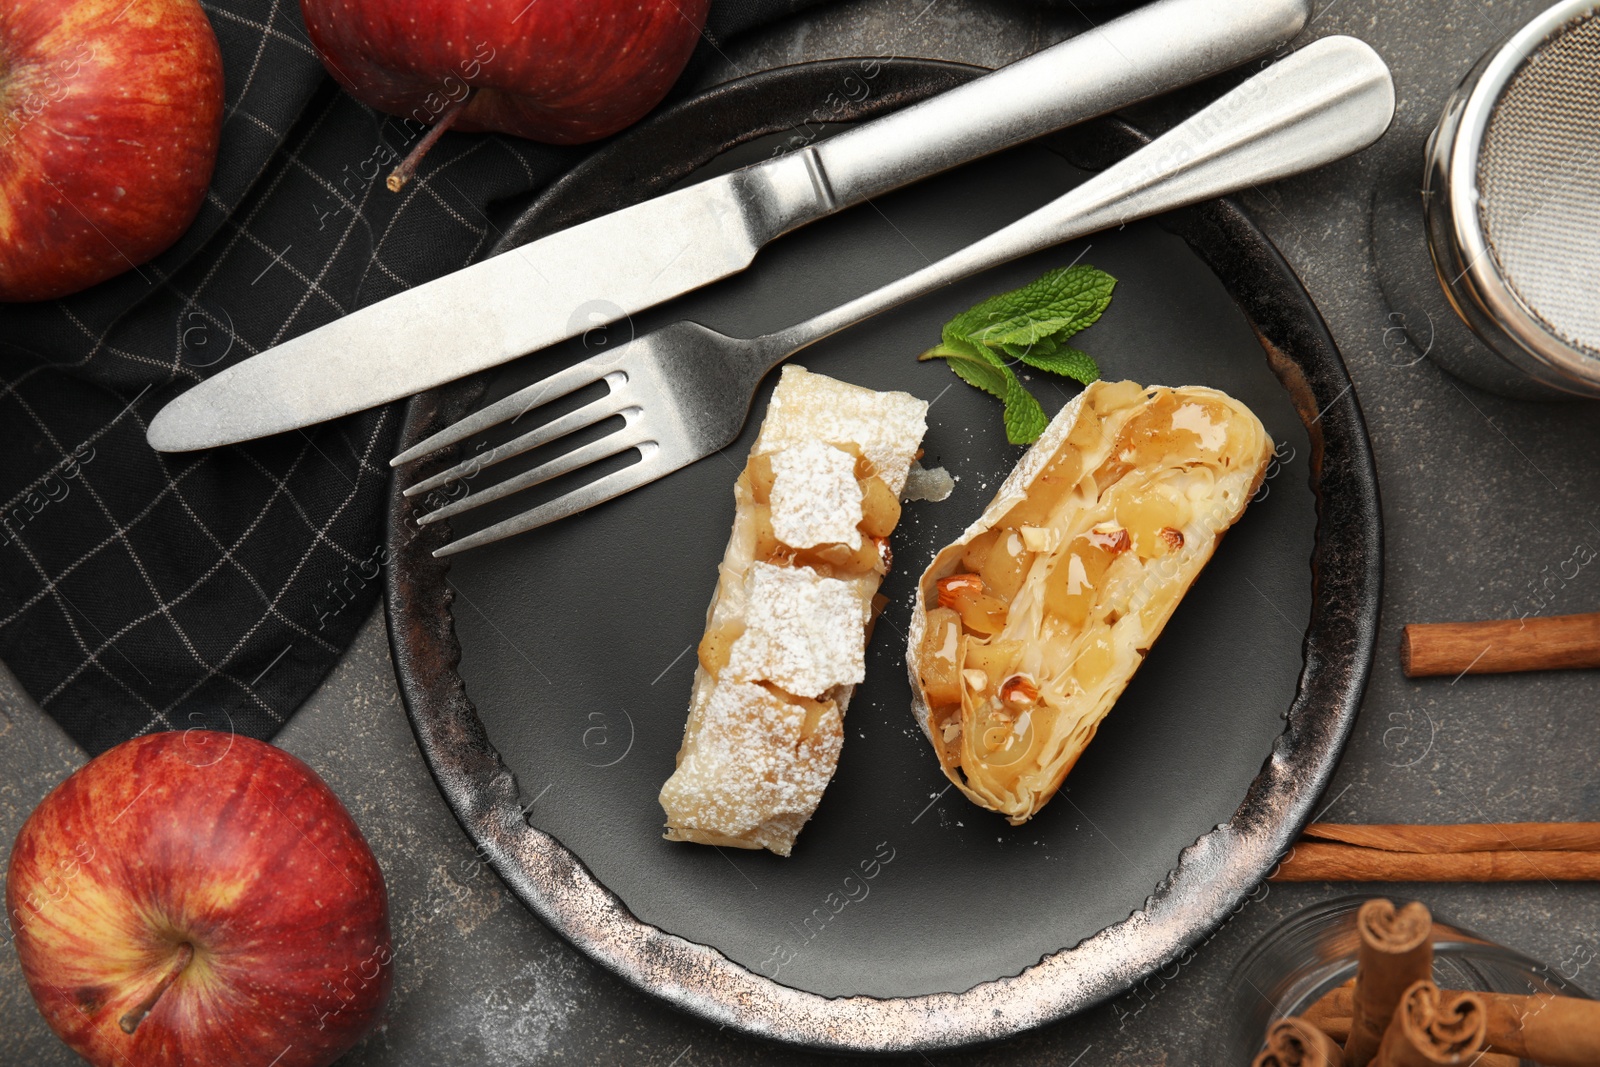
110,113
197,899
561,71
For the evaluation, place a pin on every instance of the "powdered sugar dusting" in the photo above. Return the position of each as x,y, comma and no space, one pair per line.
802,632
816,499
887,427
750,770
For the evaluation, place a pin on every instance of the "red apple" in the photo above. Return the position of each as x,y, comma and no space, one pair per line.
561,71
110,113
197,899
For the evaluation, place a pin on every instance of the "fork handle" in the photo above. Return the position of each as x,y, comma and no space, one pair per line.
1151,50
1331,98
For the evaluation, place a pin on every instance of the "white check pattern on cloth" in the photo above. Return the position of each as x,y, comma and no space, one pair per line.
144,592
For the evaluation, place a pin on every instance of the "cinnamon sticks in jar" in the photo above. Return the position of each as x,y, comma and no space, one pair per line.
1396,952
1555,1031
1432,1027
1293,1042
1393,1015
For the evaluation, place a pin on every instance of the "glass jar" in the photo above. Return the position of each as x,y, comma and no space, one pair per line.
1314,951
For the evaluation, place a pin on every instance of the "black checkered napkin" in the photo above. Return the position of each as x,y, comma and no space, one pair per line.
145,592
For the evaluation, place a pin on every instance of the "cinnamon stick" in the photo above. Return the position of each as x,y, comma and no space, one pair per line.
1394,954
1465,837
1331,1012
1295,1042
1551,643
1554,1031
1431,1028
1550,1030
1317,861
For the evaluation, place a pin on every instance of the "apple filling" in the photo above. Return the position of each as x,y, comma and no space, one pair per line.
852,556
1032,624
880,512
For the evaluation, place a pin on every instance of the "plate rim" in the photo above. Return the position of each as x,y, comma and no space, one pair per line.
1212,878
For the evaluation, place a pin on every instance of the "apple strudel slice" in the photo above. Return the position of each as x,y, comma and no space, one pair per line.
1029,626
797,591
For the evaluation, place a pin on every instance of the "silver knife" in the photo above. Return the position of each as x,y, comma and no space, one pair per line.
533,296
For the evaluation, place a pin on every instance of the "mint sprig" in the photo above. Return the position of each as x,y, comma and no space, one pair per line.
1029,325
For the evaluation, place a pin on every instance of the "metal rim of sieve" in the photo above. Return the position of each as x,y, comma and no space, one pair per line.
1471,276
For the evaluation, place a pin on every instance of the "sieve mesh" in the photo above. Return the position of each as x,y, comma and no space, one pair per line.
1539,183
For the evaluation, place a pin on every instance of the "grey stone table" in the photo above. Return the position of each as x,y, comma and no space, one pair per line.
1484,500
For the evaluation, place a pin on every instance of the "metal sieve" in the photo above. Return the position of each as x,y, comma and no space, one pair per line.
1511,199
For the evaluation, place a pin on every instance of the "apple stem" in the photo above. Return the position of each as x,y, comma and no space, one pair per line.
130,1022
408,166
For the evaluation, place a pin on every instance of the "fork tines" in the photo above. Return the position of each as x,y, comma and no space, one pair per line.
653,463
619,400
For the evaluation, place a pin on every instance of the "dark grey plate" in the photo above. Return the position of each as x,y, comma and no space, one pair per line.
906,918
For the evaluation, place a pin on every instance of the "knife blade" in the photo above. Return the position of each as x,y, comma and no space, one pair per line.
470,320
540,293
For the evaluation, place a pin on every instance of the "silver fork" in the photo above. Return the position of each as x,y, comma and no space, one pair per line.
684,391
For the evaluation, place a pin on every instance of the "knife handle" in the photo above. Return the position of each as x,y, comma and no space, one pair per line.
1149,51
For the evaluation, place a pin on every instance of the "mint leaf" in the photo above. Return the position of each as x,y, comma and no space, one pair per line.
1058,305
1025,420
980,375
1029,325
971,364
1058,359
982,367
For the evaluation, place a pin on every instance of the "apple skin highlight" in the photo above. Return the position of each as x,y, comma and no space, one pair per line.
558,71
217,842
110,116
